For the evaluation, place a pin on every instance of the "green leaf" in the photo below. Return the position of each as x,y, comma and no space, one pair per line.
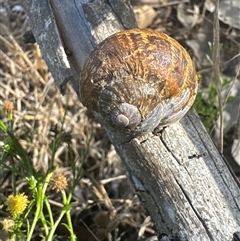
3,126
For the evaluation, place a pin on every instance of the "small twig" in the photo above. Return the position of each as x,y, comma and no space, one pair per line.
228,93
216,70
234,57
120,177
224,102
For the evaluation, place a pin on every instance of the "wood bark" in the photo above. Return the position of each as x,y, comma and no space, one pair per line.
179,175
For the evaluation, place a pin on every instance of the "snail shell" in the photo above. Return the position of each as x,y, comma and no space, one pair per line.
138,80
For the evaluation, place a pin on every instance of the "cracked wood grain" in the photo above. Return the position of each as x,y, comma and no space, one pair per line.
43,26
187,181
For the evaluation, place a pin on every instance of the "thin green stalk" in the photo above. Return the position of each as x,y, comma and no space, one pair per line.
53,228
40,197
13,177
65,210
48,206
68,215
39,205
45,226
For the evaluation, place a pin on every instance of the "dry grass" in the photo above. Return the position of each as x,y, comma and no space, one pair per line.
104,201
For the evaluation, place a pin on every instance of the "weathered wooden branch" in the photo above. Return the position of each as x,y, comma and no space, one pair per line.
42,22
180,176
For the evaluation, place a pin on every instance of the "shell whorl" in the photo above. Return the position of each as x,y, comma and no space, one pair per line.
126,115
139,79
121,120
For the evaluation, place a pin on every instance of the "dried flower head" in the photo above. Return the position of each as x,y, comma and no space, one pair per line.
7,224
16,204
59,182
8,107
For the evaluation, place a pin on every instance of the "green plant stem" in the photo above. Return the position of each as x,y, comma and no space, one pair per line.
68,215
54,227
49,211
42,217
39,196
13,237
13,177
65,210
40,191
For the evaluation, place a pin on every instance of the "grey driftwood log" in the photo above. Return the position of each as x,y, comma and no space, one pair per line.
180,176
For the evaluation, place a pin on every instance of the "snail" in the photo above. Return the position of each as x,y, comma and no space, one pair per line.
138,80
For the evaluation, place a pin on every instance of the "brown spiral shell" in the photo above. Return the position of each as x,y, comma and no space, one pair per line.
139,80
